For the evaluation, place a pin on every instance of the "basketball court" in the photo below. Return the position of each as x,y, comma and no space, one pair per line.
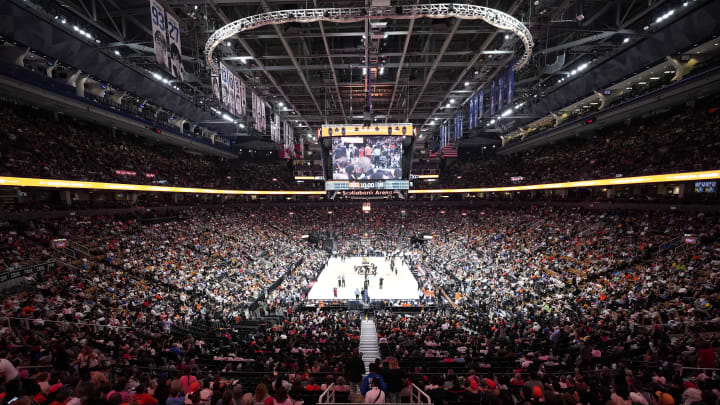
400,286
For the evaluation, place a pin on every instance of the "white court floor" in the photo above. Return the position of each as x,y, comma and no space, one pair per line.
402,286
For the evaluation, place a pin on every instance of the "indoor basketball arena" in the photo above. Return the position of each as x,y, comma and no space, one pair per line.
272,202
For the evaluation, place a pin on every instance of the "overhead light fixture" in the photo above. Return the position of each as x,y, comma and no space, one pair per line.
448,105
506,112
228,43
281,104
642,83
364,71
228,118
507,36
626,40
654,78
467,84
452,101
116,52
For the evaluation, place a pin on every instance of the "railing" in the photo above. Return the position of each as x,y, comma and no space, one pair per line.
328,396
418,396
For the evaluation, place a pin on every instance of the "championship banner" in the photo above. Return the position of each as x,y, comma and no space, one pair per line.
492,98
226,77
511,83
230,97
241,103
157,18
289,143
215,79
470,112
239,95
501,91
258,112
275,128
480,106
173,31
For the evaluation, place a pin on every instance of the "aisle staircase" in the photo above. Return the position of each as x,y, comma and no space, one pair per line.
369,347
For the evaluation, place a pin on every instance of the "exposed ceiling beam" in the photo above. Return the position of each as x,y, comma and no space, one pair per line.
381,54
437,60
581,41
288,68
399,70
290,53
332,68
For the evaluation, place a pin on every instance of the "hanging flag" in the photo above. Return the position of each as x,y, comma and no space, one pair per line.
471,112
275,129
239,97
289,141
511,83
501,91
157,18
492,98
174,48
480,106
243,98
227,86
215,79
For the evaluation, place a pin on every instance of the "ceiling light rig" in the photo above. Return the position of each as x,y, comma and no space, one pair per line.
496,18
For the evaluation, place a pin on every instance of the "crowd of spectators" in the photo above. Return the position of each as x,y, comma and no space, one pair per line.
35,143
541,305
680,140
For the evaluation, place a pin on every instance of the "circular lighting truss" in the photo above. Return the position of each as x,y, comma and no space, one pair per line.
496,18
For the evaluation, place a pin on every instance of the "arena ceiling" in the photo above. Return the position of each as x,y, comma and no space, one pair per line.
421,66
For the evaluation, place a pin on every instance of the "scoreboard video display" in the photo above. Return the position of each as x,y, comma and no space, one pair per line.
366,158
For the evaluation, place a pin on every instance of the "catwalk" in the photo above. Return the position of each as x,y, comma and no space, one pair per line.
400,286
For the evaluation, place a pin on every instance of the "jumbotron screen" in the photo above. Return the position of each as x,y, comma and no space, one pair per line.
367,158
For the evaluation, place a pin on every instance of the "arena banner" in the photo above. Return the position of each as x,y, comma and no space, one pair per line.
240,100
510,83
480,106
174,48
492,98
276,130
258,109
501,91
225,80
289,138
215,79
157,19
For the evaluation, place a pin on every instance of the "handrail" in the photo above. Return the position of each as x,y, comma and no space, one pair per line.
328,396
417,395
